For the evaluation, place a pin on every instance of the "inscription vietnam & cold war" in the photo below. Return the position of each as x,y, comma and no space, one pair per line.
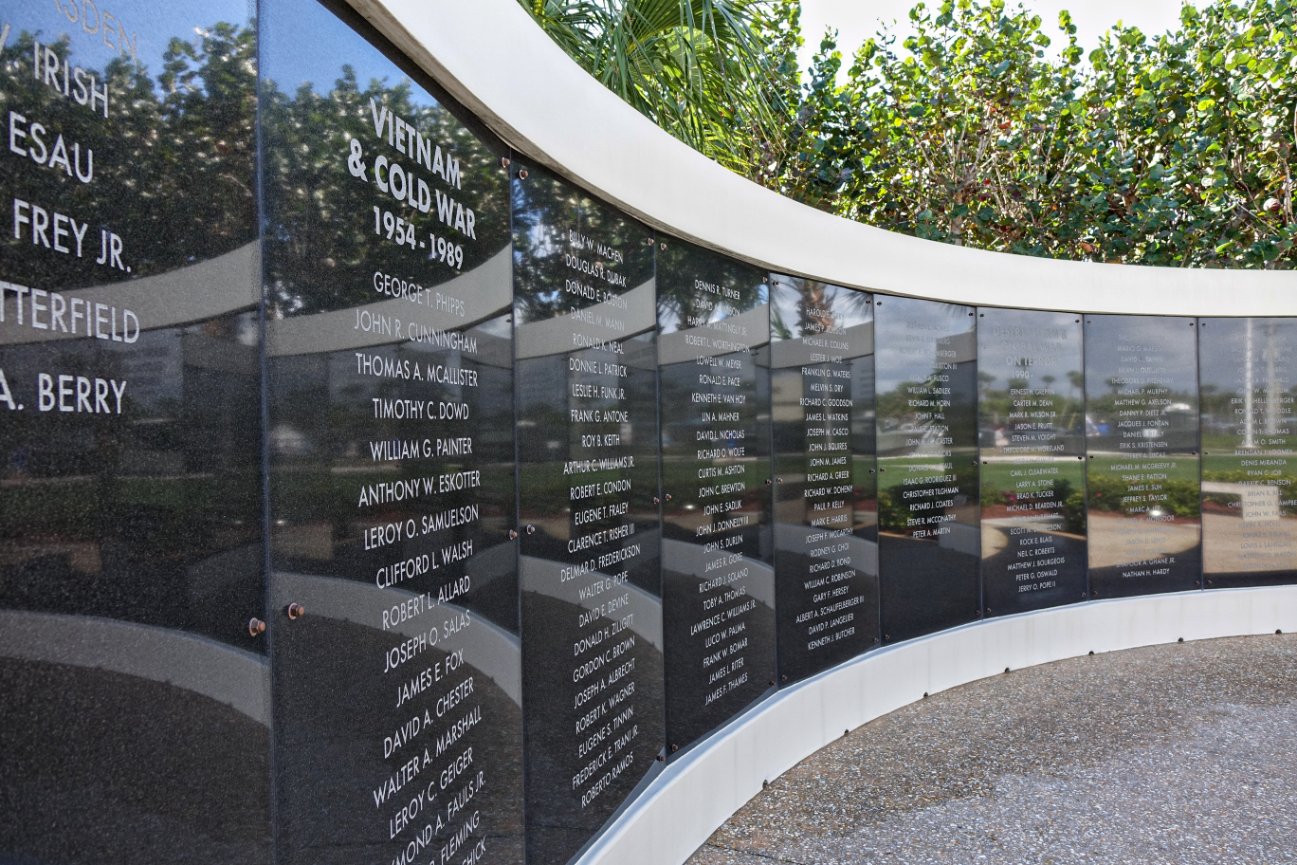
397,687
130,519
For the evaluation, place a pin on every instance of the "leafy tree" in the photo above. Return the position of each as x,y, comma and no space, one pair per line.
698,68
1176,150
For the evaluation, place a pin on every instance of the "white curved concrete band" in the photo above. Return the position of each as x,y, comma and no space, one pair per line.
684,805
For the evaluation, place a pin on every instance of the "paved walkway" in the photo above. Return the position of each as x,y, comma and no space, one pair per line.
1173,755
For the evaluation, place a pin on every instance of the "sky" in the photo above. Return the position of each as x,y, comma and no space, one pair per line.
857,19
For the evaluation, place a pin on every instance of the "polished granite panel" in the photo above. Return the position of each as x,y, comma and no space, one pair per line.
1141,390
397,692
928,534
586,331
133,725
1249,460
1031,436
825,509
718,582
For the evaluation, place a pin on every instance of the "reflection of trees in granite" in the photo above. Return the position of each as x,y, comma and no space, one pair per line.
109,768
320,244
109,513
820,308
679,301
545,210
1142,387
334,707
173,161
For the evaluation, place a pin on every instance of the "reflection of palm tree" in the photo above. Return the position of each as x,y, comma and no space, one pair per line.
680,263
545,208
696,67
825,308
1076,381
815,309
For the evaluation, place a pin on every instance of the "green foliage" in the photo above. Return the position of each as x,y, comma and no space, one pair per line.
1174,150
717,74
1074,513
892,514
1061,490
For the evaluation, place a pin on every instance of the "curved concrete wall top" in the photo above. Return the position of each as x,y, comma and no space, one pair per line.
491,56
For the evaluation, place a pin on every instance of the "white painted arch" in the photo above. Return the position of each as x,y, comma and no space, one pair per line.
491,57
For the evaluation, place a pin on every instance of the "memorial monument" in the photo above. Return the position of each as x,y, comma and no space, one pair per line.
376,491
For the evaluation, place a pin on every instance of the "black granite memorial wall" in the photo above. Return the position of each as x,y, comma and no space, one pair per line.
1141,401
369,492
928,543
1249,462
133,723
389,343
1031,433
825,509
586,332
718,587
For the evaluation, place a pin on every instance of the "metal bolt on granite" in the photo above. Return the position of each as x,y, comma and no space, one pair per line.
1184,754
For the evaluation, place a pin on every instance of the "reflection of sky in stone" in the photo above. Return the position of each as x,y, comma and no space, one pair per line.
1222,345
668,320
850,306
310,45
897,359
303,43
1170,340
1051,353
150,26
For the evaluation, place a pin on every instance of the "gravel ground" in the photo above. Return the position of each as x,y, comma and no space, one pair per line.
1176,755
